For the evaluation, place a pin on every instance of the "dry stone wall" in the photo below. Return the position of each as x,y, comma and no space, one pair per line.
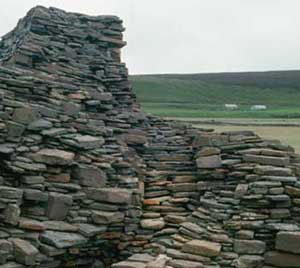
88,180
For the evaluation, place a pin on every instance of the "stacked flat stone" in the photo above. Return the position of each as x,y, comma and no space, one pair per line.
69,193
88,180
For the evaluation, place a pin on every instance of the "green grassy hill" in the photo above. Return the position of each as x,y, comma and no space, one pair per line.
204,95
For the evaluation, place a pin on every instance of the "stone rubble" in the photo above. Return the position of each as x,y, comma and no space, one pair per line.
88,180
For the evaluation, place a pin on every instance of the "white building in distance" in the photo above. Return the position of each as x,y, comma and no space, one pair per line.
231,106
258,107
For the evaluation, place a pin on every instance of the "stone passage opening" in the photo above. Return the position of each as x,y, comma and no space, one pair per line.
87,180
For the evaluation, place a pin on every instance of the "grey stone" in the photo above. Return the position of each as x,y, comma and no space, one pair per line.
184,264
58,206
249,261
106,218
60,226
288,242
89,142
279,259
12,214
110,195
35,195
40,124
53,157
25,252
201,247
15,129
89,230
71,109
213,161
24,115
267,160
129,264
249,246
153,224
12,265
89,176
11,192
62,239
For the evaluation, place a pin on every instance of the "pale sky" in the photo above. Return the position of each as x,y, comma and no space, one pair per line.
192,36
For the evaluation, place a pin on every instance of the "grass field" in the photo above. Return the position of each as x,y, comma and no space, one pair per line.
204,95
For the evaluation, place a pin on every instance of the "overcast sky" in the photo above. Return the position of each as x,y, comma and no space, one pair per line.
192,36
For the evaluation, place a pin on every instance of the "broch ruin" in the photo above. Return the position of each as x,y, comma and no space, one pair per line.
88,180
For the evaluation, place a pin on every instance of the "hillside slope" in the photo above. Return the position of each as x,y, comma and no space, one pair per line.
204,95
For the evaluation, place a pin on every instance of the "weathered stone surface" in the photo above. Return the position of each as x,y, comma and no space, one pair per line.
153,224
266,160
58,206
184,264
53,157
89,230
60,226
89,176
35,195
288,242
32,225
89,142
192,227
24,251
272,171
71,109
62,239
249,246
207,151
249,261
110,195
201,247
213,161
12,214
39,125
24,115
279,259
129,264
15,130
133,139
11,192
12,265
106,218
